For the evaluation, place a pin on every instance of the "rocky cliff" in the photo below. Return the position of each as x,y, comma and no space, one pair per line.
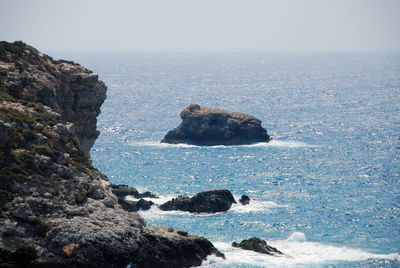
66,87
56,209
209,126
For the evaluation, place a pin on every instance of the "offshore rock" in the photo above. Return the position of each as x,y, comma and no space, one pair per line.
258,245
209,126
56,209
208,201
244,200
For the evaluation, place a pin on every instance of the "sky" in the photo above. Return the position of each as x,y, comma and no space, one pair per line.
203,25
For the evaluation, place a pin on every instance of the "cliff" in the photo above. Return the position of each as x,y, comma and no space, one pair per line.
209,126
66,87
57,210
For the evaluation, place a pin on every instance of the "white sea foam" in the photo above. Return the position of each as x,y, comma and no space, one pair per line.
254,206
272,143
155,213
280,143
298,252
158,201
159,144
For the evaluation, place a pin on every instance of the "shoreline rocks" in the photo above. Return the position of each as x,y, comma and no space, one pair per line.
209,126
258,245
56,209
208,201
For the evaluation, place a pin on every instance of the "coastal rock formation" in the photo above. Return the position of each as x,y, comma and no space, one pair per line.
68,88
208,201
124,190
56,209
244,200
258,245
208,126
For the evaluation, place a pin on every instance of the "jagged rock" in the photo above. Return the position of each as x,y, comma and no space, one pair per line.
258,245
56,209
63,85
143,204
133,206
244,200
208,201
124,190
208,126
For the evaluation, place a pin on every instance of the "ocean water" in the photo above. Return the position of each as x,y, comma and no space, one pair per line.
326,189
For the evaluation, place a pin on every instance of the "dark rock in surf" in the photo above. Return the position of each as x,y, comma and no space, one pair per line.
258,245
124,190
208,201
208,126
244,200
133,206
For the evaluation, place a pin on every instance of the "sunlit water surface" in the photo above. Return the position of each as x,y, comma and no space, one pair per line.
325,191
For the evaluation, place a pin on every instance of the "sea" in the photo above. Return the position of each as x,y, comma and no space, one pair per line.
325,191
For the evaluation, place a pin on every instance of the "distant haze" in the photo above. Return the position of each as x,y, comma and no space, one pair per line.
203,25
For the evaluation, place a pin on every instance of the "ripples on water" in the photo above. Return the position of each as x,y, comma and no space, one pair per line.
325,191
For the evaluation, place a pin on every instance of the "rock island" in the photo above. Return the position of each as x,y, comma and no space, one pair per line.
209,126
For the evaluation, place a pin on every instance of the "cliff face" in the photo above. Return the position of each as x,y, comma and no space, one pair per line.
69,88
57,210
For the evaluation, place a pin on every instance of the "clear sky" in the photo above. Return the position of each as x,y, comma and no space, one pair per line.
203,25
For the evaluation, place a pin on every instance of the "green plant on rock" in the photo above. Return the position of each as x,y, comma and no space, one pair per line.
4,96
29,135
43,150
12,115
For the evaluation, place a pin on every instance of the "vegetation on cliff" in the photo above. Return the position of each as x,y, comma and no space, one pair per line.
57,210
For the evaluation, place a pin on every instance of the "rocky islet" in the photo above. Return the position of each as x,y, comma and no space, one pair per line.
209,126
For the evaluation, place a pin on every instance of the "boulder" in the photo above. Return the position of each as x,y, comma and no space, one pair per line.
132,206
124,190
208,201
244,200
258,245
209,126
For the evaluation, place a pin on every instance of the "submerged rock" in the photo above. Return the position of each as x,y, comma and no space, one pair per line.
244,200
208,201
258,245
208,126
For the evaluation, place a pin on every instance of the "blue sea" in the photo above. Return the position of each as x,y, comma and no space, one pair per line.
325,191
